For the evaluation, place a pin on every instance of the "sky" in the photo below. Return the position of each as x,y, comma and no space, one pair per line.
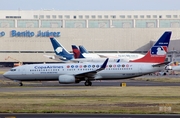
90,5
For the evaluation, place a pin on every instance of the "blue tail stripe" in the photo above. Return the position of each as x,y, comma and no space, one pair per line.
164,39
82,49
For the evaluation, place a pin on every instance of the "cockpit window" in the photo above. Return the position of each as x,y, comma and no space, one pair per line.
13,69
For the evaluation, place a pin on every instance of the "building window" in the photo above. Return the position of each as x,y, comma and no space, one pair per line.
105,16
99,16
113,16
154,16
93,16
4,25
168,16
74,17
35,16
128,16
174,16
67,16
54,16
29,25
135,16
122,16
148,16
48,16
41,16
86,16
150,24
141,16
80,16
60,16
160,16
13,16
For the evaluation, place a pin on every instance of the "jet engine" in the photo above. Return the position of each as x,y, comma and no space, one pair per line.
67,79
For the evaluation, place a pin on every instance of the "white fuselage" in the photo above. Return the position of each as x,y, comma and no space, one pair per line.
53,71
130,56
93,57
176,68
113,57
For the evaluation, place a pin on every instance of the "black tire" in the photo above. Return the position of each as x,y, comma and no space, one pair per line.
90,83
20,84
86,83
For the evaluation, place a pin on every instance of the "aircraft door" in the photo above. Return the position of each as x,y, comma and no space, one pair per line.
140,68
23,71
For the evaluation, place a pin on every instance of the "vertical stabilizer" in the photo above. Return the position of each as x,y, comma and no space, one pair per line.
76,52
60,50
157,53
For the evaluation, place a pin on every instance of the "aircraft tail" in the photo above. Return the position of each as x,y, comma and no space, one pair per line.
157,53
76,52
83,49
60,50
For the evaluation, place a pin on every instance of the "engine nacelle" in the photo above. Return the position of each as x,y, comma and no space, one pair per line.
168,67
67,79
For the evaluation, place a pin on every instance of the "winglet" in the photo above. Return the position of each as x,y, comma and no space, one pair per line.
118,60
103,65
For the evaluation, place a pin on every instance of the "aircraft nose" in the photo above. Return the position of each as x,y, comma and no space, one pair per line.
6,75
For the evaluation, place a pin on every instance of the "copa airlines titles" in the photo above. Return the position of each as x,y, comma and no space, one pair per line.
28,33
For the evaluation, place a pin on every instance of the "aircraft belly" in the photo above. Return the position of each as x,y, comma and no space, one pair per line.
37,77
119,75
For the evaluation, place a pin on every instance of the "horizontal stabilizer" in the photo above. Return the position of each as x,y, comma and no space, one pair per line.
102,56
161,64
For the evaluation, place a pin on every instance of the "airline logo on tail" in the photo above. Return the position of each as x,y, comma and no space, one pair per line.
157,53
158,50
59,49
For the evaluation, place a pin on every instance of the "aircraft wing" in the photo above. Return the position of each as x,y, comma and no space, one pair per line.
91,74
104,56
161,64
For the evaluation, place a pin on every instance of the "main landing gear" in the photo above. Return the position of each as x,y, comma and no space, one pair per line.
20,84
88,83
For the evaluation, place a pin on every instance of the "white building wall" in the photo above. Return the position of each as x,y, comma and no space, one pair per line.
111,31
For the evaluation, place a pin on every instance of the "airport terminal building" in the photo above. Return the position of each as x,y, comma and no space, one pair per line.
24,35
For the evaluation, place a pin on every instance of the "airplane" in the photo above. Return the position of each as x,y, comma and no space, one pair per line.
64,56
68,73
124,56
175,66
61,53
83,49
92,57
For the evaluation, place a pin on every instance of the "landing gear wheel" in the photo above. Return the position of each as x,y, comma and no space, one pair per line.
88,83
20,84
